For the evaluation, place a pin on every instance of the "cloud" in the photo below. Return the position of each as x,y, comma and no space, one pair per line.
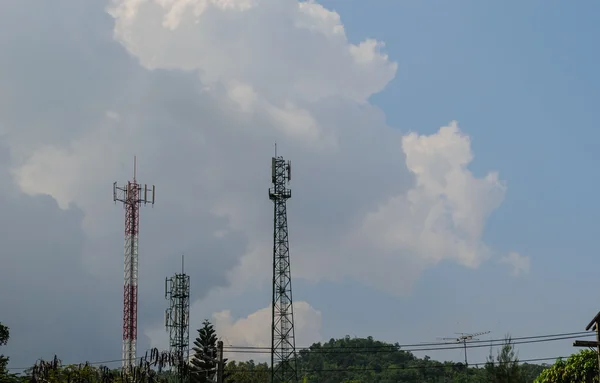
519,264
255,330
441,217
285,50
200,91
48,299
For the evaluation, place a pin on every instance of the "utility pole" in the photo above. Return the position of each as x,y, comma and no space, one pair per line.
220,363
594,325
283,344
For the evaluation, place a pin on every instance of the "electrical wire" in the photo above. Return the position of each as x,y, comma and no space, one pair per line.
441,365
388,348
422,346
578,333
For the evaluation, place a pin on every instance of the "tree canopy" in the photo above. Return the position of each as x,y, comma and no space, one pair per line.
580,367
203,363
505,368
4,335
365,360
345,360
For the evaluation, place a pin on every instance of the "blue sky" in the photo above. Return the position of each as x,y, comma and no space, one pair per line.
521,79
201,105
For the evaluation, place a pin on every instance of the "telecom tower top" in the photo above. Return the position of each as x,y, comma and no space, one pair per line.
281,174
131,193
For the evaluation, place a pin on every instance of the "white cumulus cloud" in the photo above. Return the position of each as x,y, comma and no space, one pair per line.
200,90
442,216
255,330
284,49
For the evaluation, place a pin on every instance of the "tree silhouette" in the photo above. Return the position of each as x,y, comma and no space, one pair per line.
203,363
505,369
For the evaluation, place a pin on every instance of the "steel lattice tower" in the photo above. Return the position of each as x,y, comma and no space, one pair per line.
177,318
132,195
283,344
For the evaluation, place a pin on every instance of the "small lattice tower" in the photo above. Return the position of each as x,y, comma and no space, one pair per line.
177,318
132,195
283,347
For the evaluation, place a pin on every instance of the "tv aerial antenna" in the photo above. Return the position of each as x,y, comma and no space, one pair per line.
464,338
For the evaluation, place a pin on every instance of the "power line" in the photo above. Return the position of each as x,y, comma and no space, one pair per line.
419,345
375,349
388,349
440,365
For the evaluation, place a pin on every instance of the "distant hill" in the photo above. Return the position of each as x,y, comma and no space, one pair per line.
365,360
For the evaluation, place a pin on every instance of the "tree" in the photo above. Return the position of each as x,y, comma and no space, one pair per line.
5,377
531,371
203,364
581,367
505,369
247,372
4,335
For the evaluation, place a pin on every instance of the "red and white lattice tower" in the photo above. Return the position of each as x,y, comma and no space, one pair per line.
132,195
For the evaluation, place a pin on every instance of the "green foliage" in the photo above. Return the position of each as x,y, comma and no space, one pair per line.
347,360
203,365
580,367
5,376
4,335
357,360
530,372
505,369
53,371
247,372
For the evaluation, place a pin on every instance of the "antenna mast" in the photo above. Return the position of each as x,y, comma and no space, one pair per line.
132,195
283,344
464,338
177,318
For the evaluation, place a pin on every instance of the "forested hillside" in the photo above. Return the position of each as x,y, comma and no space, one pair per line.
359,360
347,360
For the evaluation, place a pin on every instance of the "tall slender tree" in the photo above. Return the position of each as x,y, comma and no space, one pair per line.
505,368
203,363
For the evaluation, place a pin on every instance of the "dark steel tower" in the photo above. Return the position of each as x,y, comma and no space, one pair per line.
283,344
132,195
177,318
